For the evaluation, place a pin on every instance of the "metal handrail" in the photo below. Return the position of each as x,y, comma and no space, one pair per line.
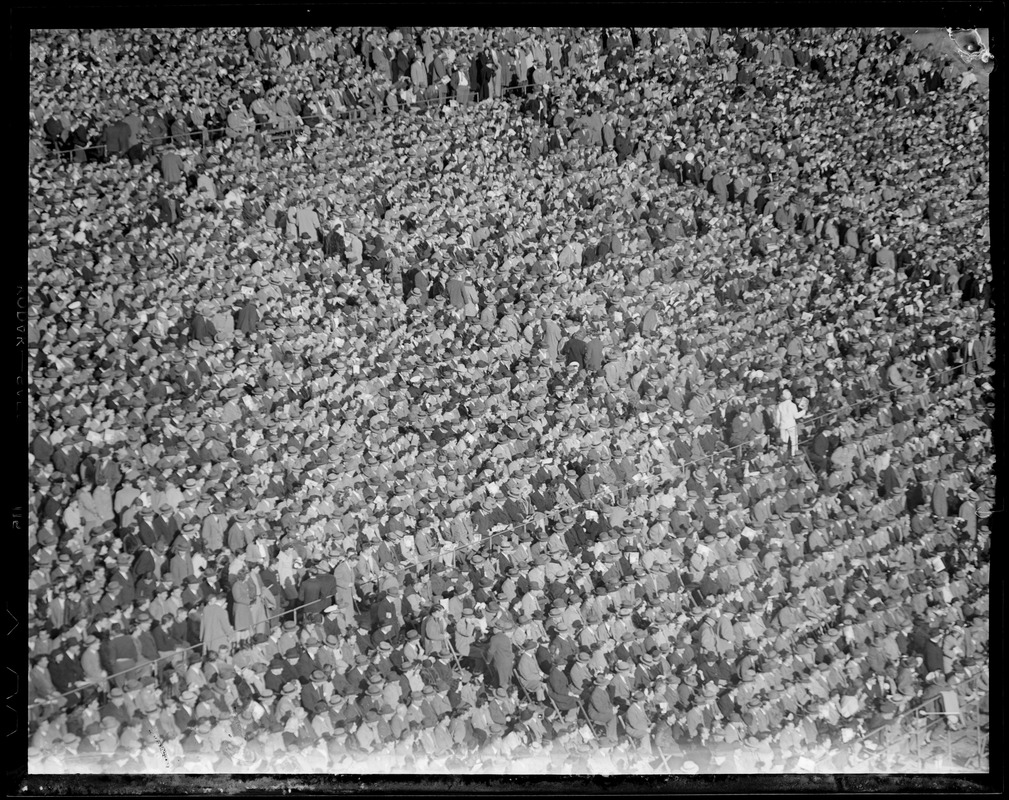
174,655
934,719
913,710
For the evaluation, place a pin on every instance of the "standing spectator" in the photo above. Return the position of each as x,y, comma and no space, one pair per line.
786,417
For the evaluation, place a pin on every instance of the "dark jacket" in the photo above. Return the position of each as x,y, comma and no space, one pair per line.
116,138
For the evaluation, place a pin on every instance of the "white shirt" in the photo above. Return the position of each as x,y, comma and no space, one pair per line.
788,414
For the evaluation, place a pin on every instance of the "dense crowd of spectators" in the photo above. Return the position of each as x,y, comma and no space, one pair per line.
445,430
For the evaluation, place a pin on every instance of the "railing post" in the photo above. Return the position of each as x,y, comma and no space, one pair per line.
949,739
977,729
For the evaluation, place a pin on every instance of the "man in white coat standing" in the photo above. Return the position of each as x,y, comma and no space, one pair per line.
786,416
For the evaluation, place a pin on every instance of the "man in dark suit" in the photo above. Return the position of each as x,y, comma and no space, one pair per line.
500,656
414,279
600,707
388,611
932,651
274,677
327,583
54,132
560,691
563,648
824,443
915,496
889,481
145,528
157,129
311,692
124,653
486,69
438,71
67,458
589,482
165,525
438,673
120,707
310,593
574,351
124,576
116,138
145,563
489,515
272,584
137,153
622,145
65,669
50,507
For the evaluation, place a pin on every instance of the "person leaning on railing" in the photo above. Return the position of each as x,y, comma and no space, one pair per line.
42,690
